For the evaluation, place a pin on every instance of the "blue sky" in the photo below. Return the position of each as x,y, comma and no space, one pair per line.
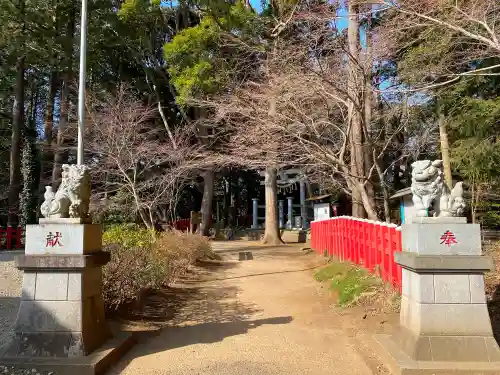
341,20
256,4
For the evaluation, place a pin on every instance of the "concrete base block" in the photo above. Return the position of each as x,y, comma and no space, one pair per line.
446,319
401,363
61,313
94,364
429,239
63,238
447,348
295,236
59,328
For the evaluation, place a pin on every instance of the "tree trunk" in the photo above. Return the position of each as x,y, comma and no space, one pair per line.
474,202
445,149
206,203
385,191
30,166
61,155
271,232
356,134
47,155
370,210
368,108
15,152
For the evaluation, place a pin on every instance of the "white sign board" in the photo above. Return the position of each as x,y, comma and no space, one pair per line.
321,211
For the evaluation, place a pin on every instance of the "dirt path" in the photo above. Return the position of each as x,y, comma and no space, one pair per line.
262,315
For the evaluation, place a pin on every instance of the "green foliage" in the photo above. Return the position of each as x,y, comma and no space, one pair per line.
348,282
331,271
191,62
128,236
201,59
473,115
490,219
135,8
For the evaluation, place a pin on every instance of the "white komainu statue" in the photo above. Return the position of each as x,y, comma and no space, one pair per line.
73,196
427,186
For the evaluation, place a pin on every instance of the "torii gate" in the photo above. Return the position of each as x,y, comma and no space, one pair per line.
286,181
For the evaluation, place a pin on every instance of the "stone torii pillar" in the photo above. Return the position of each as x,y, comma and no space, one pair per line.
255,212
303,208
290,212
281,212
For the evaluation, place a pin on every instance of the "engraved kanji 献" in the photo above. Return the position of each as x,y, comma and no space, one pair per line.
54,239
448,239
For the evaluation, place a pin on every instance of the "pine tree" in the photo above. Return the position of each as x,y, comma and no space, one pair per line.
30,167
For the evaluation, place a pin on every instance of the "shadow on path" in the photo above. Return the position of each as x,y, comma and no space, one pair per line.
182,336
203,333
494,311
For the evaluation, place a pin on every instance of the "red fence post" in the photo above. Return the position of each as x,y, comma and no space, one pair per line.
346,245
390,255
313,226
357,239
3,239
398,247
354,240
378,243
336,239
350,242
369,246
345,239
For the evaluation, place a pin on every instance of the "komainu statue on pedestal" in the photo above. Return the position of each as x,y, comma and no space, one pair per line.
428,186
72,198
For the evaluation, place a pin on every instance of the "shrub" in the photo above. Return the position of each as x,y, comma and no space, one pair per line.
128,236
139,263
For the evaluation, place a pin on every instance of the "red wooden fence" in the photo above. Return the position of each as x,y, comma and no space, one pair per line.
182,224
11,238
367,243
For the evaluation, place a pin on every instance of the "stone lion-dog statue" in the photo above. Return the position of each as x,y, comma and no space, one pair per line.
428,186
72,199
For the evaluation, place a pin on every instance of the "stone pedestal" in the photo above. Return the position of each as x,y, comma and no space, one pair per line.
444,321
62,311
61,326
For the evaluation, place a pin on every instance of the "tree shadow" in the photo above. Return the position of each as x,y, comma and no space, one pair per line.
202,333
9,307
494,311
189,301
194,314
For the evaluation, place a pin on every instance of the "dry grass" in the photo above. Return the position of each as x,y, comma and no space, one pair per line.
492,287
492,278
149,265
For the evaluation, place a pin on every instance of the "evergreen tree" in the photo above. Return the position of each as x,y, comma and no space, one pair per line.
30,167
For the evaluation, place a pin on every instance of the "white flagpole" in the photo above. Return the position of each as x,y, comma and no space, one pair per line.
81,88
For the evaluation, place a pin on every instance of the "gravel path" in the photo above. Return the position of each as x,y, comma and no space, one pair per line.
263,314
10,291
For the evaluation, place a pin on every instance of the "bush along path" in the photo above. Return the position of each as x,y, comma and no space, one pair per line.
260,314
143,260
